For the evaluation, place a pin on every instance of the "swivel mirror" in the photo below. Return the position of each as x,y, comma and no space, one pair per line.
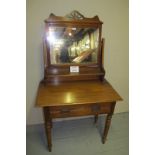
73,41
73,44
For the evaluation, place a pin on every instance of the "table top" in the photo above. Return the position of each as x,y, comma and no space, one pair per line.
77,92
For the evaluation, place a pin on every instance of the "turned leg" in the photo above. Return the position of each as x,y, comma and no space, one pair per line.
95,119
108,122
48,127
48,135
106,129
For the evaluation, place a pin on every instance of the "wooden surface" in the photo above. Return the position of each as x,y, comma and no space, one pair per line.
63,94
79,92
61,72
76,98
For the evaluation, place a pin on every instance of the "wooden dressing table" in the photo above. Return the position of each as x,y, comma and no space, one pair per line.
74,83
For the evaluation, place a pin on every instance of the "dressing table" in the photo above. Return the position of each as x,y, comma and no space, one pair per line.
74,83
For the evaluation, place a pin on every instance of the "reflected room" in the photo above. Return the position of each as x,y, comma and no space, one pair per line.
73,44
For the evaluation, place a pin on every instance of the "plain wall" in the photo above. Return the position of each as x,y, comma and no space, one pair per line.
114,14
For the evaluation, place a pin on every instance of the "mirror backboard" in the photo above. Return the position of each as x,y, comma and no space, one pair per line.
73,44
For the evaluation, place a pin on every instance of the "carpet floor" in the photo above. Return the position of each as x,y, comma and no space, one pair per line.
81,137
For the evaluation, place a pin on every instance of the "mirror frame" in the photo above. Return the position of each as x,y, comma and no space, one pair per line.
82,22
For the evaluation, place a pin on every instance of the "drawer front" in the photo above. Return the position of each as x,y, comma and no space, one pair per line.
79,110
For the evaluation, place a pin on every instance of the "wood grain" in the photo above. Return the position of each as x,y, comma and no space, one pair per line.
63,94
78,92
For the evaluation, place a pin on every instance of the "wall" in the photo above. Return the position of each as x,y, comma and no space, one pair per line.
114,14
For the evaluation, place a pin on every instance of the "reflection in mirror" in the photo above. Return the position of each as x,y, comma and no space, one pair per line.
73,45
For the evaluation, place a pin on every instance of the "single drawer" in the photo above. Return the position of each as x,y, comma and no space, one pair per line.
79,110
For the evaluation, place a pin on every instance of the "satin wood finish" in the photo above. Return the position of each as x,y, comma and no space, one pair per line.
63,94
76,93
61,72
76,98
48,126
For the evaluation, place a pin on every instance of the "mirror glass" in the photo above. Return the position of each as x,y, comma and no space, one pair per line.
73,44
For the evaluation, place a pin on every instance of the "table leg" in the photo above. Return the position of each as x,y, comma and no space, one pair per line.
95,119
48,127
108,122
106,129
48,135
